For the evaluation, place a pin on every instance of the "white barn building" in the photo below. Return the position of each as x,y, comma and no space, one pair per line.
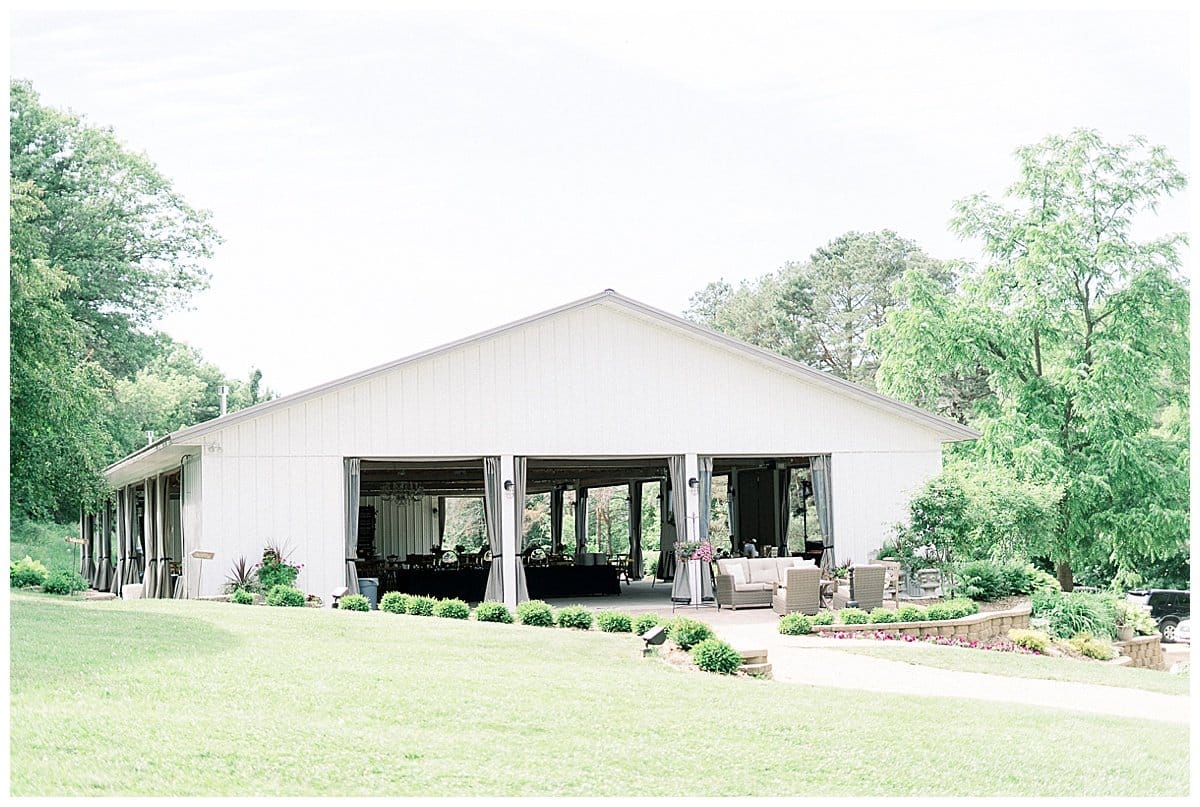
601,391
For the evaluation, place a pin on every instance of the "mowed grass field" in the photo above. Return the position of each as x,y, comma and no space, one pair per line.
196,698
1018,665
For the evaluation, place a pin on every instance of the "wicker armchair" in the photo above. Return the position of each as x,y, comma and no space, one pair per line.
866,585
801,592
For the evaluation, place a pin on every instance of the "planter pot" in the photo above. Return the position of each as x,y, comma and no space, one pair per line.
1125,633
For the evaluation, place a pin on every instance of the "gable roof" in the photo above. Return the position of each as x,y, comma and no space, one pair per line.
949,428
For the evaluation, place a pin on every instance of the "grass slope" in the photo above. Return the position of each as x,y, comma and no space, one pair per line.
1016,665
43,541
164,697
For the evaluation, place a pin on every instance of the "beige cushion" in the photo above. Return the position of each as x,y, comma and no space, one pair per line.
738,572
803,562
753,586
763,570
725,564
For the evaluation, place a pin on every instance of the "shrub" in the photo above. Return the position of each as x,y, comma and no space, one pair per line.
854,616
242,576
614,622
687,633
354,602
452,609
242,597
286,596
713,655
910,613
63,582
822,618
421,606
574,616
493,612
1088,645
644,622
275,569
951,609
1068,615
1030,639
26,572
795,625
536,613
981,580
883,615
394,602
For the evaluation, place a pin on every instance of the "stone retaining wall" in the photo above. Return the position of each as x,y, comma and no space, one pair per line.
1143,651
977,627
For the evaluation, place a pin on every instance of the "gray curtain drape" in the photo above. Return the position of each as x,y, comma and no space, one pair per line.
157,578
677,497
824,500
491,518
104,573
706,468
556,519
353,491
122,517
785,508
635,530
519,467
87,566
146,564
581,525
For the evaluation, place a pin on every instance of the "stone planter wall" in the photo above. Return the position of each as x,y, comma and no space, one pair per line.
977,627
1143,651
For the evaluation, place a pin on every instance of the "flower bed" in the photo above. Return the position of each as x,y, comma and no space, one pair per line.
1000,645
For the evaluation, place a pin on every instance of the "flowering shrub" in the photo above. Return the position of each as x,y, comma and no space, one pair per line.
695,550
644,622
713,655
275,570
1001,645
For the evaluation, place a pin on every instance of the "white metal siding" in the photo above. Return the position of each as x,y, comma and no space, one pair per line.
870,492
404,528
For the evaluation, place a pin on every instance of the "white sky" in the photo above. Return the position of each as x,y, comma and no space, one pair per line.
386,182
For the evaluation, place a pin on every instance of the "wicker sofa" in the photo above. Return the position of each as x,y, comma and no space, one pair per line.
754,582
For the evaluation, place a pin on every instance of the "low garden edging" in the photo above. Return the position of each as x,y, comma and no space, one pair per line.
1143,651
977,627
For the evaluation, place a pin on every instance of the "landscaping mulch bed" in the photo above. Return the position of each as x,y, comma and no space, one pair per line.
1004,604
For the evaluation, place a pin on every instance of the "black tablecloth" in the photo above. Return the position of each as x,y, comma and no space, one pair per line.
544,582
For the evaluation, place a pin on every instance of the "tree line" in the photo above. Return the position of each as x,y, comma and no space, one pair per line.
1067,348
101,247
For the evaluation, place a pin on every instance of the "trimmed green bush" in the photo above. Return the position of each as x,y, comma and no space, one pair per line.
26,572
421,606
1069,615
614,622
394,602
1029,639
354,602
242,597
713,655
951,609
687,633
493,612
644,622
822,618
883,615
1090,646
536,613
452,609
286,597
574,616
64,582
854,616
910,613
795,625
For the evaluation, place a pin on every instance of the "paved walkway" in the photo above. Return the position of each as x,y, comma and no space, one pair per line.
811,660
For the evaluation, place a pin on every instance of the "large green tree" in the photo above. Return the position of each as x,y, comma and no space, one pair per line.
822,311
110,221
1081,329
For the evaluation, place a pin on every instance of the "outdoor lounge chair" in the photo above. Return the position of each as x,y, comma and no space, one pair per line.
746,582
800,592
866,585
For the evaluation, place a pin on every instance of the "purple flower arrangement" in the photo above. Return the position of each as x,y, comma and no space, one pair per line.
999,645
695,550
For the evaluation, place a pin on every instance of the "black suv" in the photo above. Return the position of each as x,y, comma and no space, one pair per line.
1167,607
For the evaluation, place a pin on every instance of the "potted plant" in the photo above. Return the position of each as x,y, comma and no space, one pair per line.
839,575
1124,622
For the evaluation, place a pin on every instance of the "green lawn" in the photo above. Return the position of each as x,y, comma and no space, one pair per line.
1017,665
166,697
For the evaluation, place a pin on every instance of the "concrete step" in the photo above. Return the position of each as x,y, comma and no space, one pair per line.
762,670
